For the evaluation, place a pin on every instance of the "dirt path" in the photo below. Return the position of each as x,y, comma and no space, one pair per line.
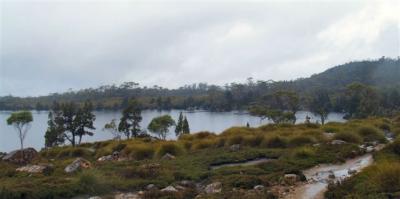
319,176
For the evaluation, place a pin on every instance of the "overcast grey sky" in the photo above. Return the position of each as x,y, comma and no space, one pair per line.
51,46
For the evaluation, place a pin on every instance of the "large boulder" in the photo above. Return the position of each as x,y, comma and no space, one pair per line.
44,168
77,164
16,156
215,187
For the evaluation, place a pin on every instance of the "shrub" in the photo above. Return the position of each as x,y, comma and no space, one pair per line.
370,134
119,147
220,142
89,182
142,152
348,137
187,145
386,177
301,140
253,141
243,181
396,146
236,139
274,142
169,147
73,152
203,134
304,152
236,131
203,144
384,126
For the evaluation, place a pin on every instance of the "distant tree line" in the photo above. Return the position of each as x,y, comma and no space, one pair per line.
337,89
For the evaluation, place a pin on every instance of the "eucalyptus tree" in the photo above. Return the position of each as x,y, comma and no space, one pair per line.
21,121
160,125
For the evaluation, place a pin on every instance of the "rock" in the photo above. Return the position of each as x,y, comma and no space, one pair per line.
234,148
291,179
187,183
77,164
316,145
127,196
168,156
351,171
16,156
215,187
169,189
151,187
370,149
179,187
338,142
105,158
45,168
331,176
95,197
259,187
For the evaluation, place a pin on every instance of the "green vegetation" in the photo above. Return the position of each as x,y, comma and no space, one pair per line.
360,89
160,125
20,120
291,148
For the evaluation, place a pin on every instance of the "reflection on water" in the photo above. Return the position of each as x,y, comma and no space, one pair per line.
198,121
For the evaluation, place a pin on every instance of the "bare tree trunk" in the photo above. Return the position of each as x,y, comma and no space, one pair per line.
21,140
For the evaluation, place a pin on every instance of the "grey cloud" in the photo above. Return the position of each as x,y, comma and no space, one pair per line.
52,46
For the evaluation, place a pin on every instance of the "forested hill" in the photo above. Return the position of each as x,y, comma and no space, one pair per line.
383,75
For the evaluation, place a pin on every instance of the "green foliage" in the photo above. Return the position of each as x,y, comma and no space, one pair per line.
160,125
370,134
301,140
169,147
274,142
348,137
396,146
130,121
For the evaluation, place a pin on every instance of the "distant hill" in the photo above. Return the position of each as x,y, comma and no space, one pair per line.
383,74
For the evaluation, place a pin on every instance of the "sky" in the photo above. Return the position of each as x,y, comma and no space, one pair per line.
53,46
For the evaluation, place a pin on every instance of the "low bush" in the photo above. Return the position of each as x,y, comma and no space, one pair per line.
74,152
142,152
169,147
274,142
301,140
386,177
370,134
119,147
304,152
203,144
348,137
396,146
236,139
253,141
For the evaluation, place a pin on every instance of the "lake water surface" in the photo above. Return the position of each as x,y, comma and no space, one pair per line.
198,121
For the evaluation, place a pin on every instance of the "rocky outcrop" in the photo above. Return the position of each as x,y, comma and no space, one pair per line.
78,164
16,156
44,168
215,187
113,157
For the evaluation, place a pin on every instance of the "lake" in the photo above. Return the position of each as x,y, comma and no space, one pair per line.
198,121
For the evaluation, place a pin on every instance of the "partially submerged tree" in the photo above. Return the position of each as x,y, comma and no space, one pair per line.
21,121
160,126
130,120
